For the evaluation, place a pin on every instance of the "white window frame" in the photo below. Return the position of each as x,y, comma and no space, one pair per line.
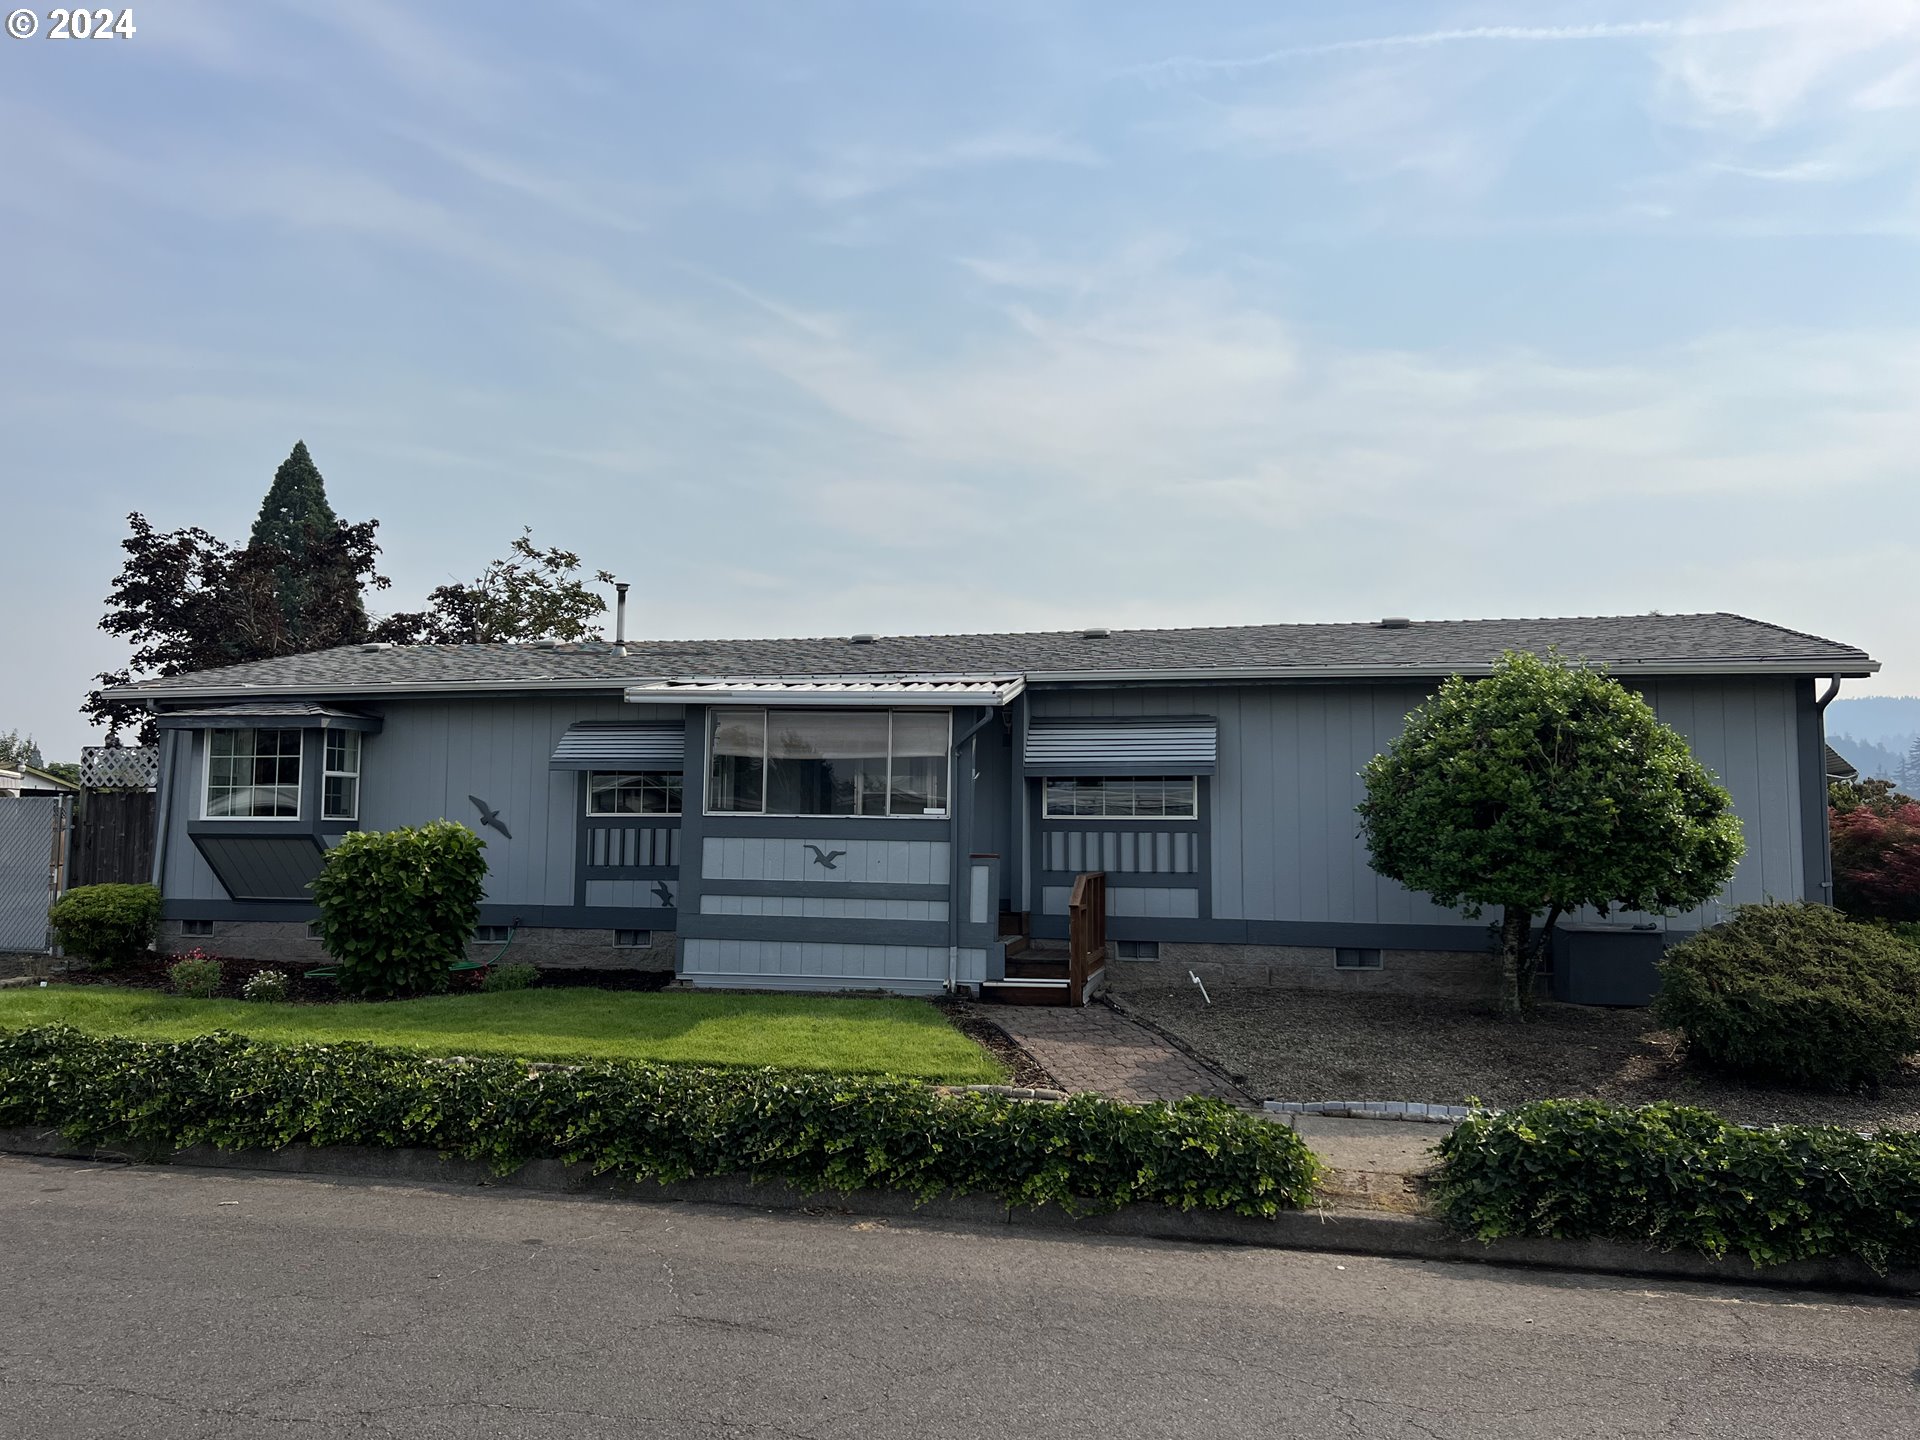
706,781
1047,813
328,773
206,778
593,814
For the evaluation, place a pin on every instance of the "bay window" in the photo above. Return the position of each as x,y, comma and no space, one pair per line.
340,776
828,762
253,774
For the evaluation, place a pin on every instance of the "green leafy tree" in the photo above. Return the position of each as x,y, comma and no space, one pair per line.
17,750
1546,787
189,601
289,538
529,594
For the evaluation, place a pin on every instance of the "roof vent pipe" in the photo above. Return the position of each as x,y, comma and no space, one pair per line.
620,617
1396,622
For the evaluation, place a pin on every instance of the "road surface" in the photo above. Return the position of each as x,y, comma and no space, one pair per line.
172,1303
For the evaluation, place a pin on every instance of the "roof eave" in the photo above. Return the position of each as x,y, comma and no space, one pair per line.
1851,669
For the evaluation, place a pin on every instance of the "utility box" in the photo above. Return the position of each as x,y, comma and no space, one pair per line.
1595,963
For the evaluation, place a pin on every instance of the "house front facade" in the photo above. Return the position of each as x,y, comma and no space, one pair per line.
881,812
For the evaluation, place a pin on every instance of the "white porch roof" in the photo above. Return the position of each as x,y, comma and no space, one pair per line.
932,692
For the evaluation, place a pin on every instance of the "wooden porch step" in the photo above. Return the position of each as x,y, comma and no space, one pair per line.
1037,965
1024,992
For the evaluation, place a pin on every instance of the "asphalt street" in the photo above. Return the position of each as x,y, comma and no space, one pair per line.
171,1303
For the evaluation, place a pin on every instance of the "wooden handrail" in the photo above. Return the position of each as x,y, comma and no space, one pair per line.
1086,935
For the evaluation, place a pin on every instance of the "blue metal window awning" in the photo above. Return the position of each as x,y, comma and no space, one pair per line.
617,745
1146,745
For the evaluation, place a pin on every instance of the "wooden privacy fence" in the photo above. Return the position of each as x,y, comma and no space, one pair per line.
1087,937
113,838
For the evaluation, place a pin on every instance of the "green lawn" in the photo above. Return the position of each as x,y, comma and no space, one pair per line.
805,1032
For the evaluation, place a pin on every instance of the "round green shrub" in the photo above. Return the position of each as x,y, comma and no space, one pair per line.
267,986
106,925
196,977
510,977
1796,994
397,906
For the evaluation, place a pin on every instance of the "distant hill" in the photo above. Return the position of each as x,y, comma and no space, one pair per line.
1891,720
1874,762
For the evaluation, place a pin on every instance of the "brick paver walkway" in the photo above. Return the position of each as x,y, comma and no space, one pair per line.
1098,1049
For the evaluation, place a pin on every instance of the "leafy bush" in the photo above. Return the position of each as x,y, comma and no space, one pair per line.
510,977
653,1122
397,906
197,977
1876,859
1794,993
267,986
1681,1178
106,925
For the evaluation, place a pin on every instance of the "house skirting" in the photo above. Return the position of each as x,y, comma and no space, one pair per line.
1310,967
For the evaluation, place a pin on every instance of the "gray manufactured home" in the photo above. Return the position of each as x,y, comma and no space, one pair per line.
881,812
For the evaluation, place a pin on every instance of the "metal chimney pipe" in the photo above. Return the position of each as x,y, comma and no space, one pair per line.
620,613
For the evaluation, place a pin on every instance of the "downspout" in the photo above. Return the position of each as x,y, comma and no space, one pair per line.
1826,802
961,858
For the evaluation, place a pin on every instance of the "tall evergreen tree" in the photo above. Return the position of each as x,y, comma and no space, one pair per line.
295,522
1913,766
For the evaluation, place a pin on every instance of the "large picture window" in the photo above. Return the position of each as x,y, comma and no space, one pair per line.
340,777
1122,798
633,792
828,762
253,774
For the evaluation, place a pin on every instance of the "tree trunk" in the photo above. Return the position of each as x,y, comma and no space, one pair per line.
1531,953
1515,925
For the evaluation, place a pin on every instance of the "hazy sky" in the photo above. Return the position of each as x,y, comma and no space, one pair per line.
815,318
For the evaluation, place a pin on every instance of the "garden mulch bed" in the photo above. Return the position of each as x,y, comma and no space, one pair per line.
1304,1045
150,973
1022,1069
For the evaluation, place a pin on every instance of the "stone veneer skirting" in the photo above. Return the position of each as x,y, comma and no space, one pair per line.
1310,967
289,943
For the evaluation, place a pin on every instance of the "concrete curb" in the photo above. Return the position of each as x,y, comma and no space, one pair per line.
1348,1232
1421,1112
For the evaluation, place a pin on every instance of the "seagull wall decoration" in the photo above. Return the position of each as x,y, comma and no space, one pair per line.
490,816
825,858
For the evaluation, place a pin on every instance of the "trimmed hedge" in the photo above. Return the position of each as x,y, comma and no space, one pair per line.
1684,1179
106,925
397,907
1794,993
653,1122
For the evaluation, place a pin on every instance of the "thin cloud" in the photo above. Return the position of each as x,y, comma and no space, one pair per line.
856,172
1192,67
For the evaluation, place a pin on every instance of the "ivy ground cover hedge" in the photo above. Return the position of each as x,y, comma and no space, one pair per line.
652,1122
1684,1179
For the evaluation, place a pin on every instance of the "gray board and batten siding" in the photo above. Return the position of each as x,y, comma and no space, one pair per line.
1285,857
429,758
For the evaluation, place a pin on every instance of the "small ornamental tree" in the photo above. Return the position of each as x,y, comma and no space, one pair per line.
1876,859
1543,788
397,907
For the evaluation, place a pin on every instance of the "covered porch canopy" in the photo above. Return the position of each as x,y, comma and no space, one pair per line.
897,692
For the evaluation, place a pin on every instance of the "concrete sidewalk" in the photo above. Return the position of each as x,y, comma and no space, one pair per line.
1373,1164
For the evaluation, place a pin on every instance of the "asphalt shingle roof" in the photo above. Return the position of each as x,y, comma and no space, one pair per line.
1628,643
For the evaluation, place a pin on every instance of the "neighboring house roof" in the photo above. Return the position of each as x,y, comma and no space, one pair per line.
1628,644
32,777
1839,767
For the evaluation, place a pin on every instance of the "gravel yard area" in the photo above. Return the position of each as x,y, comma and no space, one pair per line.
1295,1045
